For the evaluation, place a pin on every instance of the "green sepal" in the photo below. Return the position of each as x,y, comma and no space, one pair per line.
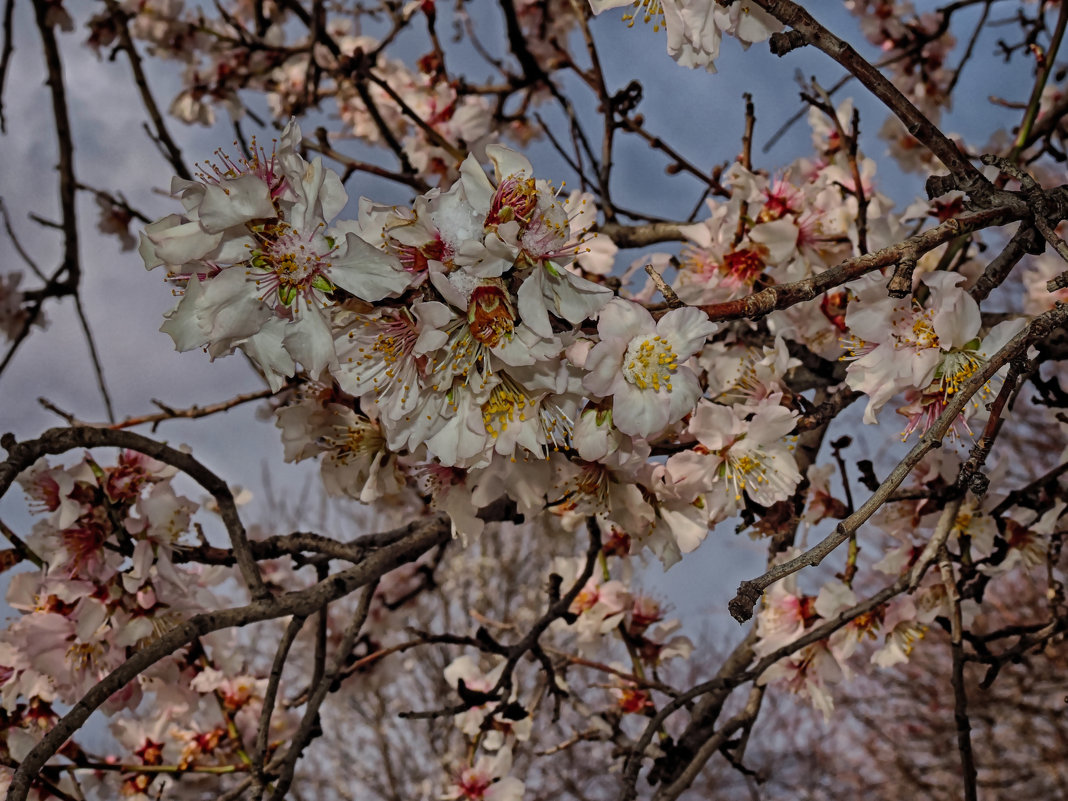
287,293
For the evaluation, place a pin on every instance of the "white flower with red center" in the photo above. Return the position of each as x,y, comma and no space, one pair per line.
728,252
486,780
639,363
527,229
441,227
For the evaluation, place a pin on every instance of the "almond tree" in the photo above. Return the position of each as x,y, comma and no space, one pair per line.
548,385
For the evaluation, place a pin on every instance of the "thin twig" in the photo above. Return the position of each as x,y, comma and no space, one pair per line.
310,721
20,546
98,368
783,296
807,31
259,755
65,143
191,413
672,299
5,57
163,136
960,694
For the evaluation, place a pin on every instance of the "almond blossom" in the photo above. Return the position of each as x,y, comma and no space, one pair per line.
257,261
695,27
900,344
486,780
639,362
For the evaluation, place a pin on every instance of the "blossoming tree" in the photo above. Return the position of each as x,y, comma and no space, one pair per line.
552,394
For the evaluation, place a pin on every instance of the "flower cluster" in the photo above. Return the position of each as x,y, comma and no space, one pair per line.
110,582
449,347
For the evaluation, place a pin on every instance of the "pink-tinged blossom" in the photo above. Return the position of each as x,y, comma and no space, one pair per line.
785,615
50,489
580,489
1040,270
746,375
681,520
808,673
953,371
662,642
1028,542
695,27
486,780
639,363
903,626
376,356
718,266
900,344
693,36
741,450
13,314
354,458
600,605
594,253
527,229
450,493
821,502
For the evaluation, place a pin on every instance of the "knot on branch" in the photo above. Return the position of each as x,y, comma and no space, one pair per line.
761,304
627,99
741,605
900,283
978,483
783,42
938,185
